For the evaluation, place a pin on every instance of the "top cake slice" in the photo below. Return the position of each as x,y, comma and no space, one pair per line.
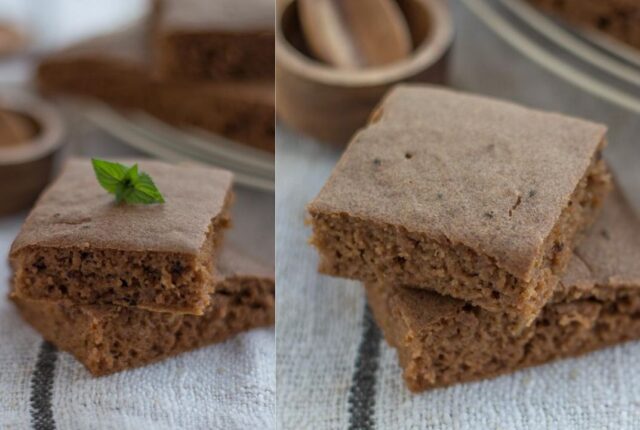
471,197
77,244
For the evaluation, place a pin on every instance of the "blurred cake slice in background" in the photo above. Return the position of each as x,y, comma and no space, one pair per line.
619,19
228,40
116,69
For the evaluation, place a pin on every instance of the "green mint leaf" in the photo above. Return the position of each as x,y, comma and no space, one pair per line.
123,190
144,191
109,174
132,174
127,183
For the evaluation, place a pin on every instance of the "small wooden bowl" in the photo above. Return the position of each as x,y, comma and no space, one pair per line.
331,104
26,168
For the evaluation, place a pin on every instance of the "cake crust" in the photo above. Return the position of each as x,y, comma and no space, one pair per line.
108,339
442,341
76,210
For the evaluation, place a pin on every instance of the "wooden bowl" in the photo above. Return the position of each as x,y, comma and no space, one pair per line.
26,168
330,103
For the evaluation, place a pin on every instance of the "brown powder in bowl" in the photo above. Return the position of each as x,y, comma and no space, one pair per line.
17,128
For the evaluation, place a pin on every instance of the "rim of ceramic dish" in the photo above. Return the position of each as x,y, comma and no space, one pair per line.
617,66
432,49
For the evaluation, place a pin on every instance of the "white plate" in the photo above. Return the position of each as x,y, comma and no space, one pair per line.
252,167
589,60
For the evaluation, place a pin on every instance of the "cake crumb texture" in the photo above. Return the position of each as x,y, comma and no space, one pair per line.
108,339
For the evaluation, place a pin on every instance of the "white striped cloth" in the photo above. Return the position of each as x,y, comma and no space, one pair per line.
335,371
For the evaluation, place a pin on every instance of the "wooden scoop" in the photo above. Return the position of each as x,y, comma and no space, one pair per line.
354,34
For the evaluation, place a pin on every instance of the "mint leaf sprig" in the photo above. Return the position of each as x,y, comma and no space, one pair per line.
127,183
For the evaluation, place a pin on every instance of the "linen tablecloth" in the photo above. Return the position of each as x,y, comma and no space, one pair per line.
225,386
334,369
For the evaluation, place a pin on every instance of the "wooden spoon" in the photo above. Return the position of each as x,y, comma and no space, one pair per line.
355,34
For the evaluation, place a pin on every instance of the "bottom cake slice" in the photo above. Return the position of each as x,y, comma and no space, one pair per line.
442,341
108,339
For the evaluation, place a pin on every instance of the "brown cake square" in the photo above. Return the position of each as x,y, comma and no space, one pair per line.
442,341
218,40
116,69
468,196
79,244
109,339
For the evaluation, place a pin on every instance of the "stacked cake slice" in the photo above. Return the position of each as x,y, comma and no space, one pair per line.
122,285
461,215
194,64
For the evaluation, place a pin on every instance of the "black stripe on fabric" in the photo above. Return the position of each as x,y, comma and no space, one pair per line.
42,388
363,384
